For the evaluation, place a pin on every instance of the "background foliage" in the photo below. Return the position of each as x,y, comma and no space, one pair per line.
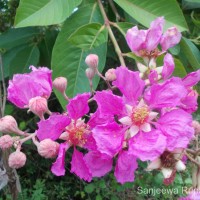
60,34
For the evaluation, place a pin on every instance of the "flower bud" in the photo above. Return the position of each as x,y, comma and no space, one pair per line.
180,166
38,105
92,61
60,84
110,75
48,148
8,124
89,72
6,141
17,159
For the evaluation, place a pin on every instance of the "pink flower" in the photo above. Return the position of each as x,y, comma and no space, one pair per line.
144,42
23,87
145,130
193,195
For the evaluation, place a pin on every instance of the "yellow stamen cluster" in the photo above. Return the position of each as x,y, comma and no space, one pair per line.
140,115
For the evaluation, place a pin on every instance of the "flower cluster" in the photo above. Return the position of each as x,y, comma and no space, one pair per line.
149,119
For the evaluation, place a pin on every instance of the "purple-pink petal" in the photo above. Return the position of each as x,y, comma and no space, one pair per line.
153,76
147,146
52,127
154,33
109,104
125,167
170,38
176,126
136,39
191,79
109,138
58,167
79,166
99,164
78,106
168,66
129,83
166,94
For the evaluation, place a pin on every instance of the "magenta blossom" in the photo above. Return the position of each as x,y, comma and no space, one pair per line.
145,130
23,87
76,133
144,42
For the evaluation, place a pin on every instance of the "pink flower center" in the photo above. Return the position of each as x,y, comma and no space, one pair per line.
140,115
78,135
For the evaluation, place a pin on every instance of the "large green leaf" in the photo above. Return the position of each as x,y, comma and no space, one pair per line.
14,37
44,12
23,59
145,11
89,36
191,52
68,60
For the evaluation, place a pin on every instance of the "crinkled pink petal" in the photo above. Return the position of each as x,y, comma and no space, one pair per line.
99,118
189,103
109,104
79,166
170,38
78,106
147,146
99,164
42,75
166,94
109,138
153,77
125,167
58,167
90,143
154,33
129,83
176,126
23,87
136,39
52,127
191,79
168,67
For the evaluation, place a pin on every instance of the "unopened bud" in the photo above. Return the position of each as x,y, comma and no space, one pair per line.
6,142
48,148
89,72
17,159
60,84
92,61
38,105
110,75
8,124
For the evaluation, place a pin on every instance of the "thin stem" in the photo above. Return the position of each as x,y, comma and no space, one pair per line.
192,159
4,85
114,9
110,32
27,138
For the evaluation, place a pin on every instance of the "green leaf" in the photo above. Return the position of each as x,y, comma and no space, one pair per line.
146,11
123,27
44,12
68,60
23,59
89,36
89,188
14,37
179,69
190,4
191,52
